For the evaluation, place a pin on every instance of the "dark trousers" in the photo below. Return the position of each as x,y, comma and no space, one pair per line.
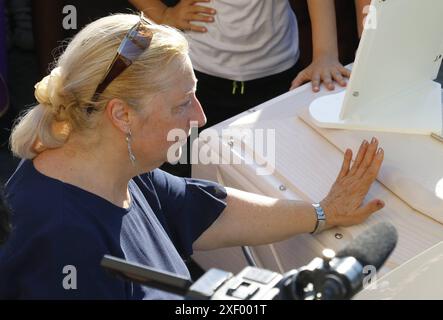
222,98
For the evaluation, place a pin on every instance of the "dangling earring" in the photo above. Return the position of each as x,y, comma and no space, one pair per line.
128,140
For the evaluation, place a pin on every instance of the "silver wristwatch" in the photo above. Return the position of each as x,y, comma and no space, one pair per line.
321,219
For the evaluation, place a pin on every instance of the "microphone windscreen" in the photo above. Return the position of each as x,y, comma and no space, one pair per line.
373,246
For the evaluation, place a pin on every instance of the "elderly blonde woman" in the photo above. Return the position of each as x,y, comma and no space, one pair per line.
89,184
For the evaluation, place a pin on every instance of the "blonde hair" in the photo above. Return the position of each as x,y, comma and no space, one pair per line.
65,95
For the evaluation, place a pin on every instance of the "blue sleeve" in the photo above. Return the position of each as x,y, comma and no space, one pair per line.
62,262
186,207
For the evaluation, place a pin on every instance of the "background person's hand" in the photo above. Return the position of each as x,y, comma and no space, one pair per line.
326,69
181,15
343,205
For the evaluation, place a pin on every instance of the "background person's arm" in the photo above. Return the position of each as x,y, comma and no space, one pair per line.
179,16
325,66
361,13
251,219
154,9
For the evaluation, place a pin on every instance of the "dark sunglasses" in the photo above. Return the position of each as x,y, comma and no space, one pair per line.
136,41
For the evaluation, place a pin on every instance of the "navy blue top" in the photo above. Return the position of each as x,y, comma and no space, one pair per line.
58,227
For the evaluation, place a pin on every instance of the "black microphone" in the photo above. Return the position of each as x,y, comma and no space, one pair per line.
370,249
341,276
373,247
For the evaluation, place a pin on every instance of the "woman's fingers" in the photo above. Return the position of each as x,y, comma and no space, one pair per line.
346,164
360,155
367,178
372,172
353,184
368,158
365,211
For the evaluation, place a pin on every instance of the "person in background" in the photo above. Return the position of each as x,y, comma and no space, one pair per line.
245,52
361,8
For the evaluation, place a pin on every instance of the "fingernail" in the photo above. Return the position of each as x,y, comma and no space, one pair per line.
365,142
380,151
373,140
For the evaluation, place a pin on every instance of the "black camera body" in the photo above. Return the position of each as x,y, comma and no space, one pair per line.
250,284
326,278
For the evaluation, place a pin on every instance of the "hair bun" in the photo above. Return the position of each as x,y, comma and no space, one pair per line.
47,91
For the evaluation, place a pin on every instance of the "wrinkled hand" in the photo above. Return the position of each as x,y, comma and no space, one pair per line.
323,69
343,204
181,15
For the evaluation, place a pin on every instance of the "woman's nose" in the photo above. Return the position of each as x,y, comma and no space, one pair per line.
198,114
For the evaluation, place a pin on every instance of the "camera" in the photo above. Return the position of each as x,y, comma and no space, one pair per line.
330,277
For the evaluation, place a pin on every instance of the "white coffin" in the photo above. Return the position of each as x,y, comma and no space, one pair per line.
307,160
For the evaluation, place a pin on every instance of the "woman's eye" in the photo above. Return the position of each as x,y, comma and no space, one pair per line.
184,105
187,103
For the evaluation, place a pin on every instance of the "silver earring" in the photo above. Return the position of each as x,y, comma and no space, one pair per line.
128,140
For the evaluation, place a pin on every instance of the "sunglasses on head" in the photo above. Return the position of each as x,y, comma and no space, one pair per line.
136,41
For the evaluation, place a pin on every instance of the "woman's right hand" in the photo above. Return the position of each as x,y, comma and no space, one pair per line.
181,15
343,205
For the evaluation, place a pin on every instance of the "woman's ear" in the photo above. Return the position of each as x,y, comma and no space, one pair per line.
118,112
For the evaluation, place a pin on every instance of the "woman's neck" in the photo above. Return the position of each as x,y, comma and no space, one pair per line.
97,171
